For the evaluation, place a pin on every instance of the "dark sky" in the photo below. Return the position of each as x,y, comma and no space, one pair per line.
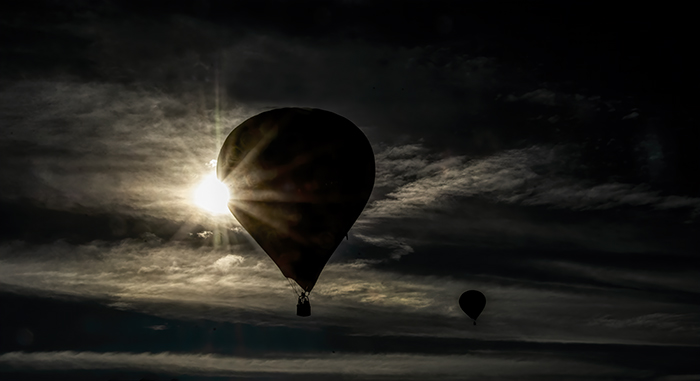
544,153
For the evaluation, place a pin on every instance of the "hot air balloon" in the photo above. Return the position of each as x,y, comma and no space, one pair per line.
298,179
472,303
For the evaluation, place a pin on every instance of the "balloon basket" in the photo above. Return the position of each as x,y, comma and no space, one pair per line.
304,309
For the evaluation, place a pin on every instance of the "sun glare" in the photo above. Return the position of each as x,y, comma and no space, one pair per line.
212,195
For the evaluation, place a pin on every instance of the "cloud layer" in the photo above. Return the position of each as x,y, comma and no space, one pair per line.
240,283
531,176
473,366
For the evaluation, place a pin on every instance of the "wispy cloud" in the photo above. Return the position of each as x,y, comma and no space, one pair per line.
109,147
671,322
575,105
531,176
398,247
142,148
159,327
241,284
542,96
491,201
476,365
681,279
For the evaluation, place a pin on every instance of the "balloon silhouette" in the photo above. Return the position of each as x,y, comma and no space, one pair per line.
298,179
472,303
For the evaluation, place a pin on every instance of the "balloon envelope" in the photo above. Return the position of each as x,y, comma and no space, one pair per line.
298,179
472,303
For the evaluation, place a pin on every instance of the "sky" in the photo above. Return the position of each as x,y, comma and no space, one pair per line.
544,153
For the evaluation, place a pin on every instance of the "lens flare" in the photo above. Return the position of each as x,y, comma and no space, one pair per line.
212,195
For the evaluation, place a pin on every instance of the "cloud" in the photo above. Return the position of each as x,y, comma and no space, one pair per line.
543,96
530,176
680,377
576,105
512,199
372,81
226,263
680,278
631,115
109,147
240,284
397,247
671,322
476,365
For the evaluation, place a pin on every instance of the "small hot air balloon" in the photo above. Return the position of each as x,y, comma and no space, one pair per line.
298,180
472,303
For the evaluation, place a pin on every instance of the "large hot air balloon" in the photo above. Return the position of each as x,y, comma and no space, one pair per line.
298,179
472,303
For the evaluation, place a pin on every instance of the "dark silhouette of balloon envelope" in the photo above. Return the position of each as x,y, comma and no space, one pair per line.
472,303
298,179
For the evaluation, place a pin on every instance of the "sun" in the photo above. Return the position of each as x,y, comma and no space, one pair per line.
212,195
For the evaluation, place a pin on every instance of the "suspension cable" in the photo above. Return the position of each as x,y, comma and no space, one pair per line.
294,290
